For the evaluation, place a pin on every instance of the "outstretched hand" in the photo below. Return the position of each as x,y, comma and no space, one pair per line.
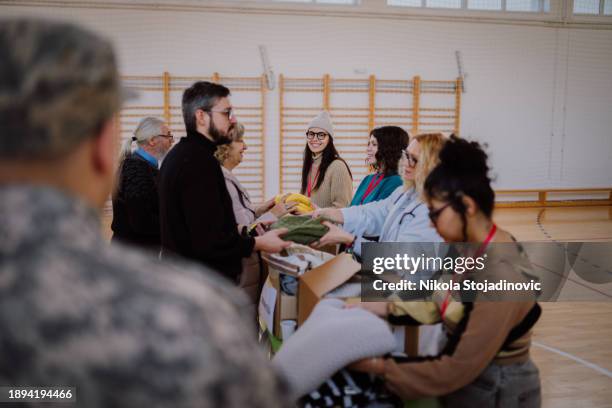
281,208
335,235
333,214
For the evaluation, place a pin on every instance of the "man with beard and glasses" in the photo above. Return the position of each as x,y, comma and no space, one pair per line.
196,213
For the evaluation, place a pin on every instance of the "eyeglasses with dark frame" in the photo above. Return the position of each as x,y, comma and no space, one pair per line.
412,161
229,113
435,214
320,135
168,136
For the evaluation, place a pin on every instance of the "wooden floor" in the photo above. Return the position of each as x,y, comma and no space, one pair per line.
572,341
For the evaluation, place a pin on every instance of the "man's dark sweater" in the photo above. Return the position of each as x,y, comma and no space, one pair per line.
196,215
135,204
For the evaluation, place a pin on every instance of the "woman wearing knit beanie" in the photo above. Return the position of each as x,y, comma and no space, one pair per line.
326,178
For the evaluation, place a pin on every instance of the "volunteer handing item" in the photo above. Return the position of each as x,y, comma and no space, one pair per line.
302,228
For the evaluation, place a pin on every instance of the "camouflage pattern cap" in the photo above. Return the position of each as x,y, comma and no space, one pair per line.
58,85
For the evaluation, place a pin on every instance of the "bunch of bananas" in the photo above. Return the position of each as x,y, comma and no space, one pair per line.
303,203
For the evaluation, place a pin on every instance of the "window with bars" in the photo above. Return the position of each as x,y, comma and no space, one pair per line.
530,6
593,7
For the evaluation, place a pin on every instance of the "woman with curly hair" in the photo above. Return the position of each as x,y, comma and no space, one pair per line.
486,361
383,155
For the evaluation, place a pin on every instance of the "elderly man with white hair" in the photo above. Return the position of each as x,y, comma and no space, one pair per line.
136,198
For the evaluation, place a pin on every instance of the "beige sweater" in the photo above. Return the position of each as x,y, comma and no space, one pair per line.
336,190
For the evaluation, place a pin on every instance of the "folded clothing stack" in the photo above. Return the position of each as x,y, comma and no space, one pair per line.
303,229
320,347
303,262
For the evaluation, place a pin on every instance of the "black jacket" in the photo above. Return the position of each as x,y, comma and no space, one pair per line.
197,219
136,205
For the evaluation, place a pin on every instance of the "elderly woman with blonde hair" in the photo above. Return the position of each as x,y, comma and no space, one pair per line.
230,156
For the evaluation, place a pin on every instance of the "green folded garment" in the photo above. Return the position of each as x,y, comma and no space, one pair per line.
302,228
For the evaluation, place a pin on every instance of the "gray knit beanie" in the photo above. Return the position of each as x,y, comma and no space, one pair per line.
322,121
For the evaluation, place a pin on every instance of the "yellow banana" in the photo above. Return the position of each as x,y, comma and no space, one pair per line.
303,209
298,198
303,203
279,197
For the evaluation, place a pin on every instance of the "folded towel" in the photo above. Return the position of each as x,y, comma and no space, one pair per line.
321,346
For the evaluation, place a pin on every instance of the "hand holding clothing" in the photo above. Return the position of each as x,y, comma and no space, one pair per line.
335,235
271,241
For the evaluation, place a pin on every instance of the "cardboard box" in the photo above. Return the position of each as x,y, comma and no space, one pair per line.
313,285
317,282
275,305
267,305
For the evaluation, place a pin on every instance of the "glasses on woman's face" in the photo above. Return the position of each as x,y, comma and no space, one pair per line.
320,135
412,161
434,214
167,136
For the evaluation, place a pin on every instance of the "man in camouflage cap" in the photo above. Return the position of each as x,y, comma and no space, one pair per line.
121,327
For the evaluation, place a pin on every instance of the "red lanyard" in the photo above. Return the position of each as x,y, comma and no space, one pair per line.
309,190
486,242
373,183
478,253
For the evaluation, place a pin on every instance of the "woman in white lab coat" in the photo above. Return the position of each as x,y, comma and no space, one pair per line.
401,217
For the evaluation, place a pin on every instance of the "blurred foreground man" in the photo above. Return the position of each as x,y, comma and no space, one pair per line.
124,329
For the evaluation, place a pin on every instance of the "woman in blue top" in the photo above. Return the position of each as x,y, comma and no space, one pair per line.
383,154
